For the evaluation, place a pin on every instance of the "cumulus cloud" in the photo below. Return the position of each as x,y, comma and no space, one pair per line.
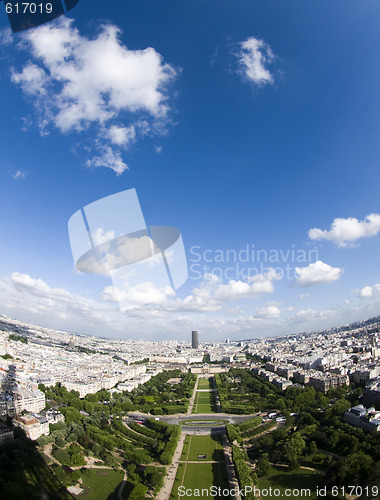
122,136
32,79
100,236
268,311
236,290
317,273
253,56
37,287
344,232
33,300
78,82
22,295
144,293
368,291
129,296
210,296
110,159
307,314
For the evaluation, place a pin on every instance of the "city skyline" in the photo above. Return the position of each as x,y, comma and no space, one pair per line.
248,127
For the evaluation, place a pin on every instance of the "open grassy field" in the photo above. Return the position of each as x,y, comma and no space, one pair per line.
198,476
204,403
100,483
205,384
211,446
282,478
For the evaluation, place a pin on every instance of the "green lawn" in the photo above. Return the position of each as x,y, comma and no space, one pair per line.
204,384
198,477
204,403
100,483
282,478
211,446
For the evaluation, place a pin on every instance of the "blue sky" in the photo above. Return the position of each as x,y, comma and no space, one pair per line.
241,123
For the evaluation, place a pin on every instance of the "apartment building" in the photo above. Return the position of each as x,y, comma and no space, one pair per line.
6,434
325,381
12,404
33,426
371,394
359,416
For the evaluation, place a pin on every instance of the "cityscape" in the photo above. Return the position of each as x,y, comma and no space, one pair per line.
189,251
86,417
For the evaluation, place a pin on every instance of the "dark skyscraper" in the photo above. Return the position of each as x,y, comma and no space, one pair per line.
194,339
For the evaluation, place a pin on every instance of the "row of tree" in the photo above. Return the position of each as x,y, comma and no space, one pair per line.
171,434
243,473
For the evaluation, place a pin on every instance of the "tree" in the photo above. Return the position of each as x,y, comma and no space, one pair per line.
263,465
353,466
313,447
77,459
280,404
292,447
71,414
93,398
138,492
60,442
153,391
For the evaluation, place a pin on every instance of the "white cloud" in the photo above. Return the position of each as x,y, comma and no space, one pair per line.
254,54
122,136
268,311
304,295
213,293
317,273
23,296
30,299
210,296
27,122
236,290
32,79
144,293
368,291
19,175
78,82
6,37
310,313
344,232
110,159
100,236
38,287
118,252
306,312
